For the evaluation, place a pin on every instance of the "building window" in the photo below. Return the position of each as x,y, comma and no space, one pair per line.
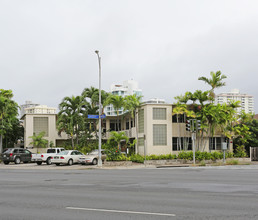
127,124
141,120
178,118
159,113
141,141
114,126
215,143
40,124
183,143
159,135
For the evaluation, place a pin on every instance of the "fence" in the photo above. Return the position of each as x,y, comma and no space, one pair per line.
254,153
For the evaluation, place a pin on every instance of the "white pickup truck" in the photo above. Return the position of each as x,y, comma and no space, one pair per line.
46,157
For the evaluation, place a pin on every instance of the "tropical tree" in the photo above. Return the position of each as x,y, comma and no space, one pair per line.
14,133
215,81
8,113
113,146
118,103
201,96
90,93
70,116
131,104
38,140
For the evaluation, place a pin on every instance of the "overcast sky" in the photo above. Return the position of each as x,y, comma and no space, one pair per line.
47,46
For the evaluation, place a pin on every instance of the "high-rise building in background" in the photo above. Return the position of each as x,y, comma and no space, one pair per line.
28,104
246,101
129,87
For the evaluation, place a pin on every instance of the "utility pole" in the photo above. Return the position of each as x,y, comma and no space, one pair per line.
100,109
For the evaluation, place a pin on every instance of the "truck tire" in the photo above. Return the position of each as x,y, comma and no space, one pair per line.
39,162
6,162
48,161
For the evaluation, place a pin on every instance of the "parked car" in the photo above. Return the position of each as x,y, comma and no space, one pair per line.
92,157
16,155
66,157
46,157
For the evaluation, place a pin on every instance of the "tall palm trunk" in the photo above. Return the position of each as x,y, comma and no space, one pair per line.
1,143
136,130
179,133
117,112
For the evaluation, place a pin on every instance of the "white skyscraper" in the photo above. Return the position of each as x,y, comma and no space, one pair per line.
246,101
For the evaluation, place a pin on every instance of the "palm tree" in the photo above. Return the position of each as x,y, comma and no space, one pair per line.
131,104
215,81
117,137
201,96
38,140
70,116
89,93
117,102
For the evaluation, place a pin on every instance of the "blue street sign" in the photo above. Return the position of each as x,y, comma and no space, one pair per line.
96,116
103,116
93,116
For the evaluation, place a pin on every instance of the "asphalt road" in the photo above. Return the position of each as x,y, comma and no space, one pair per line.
170,193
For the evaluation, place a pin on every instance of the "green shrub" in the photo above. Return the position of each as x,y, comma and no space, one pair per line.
240,151
136,158
229,155
185,155
153,157
216,155
120,157
171,156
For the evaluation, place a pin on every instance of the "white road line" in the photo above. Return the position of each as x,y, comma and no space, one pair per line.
120,211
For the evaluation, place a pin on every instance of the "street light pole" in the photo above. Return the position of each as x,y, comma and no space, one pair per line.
100,111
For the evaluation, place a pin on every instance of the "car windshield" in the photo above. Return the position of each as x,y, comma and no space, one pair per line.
64,152
7,150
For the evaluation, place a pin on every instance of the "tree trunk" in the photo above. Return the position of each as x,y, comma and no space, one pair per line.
136,131
1,143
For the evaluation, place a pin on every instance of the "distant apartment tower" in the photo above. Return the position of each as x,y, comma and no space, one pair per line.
28,104
129,87
246,101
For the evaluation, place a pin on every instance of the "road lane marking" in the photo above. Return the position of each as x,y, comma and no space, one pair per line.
121,211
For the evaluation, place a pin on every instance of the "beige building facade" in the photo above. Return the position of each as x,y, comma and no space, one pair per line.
41,119
158,131
161,133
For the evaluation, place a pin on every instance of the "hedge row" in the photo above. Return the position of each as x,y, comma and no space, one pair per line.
182,155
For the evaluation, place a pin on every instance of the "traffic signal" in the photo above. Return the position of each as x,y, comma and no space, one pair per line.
188,125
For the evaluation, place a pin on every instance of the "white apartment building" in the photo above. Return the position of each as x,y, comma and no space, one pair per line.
246,101
129,87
